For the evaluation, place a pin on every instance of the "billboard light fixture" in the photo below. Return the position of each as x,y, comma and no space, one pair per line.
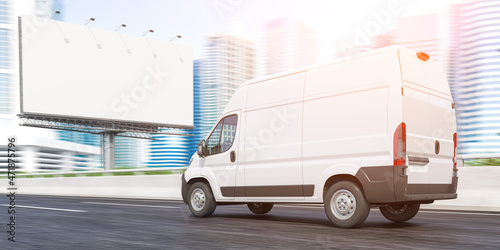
175,37
147,32
89,20
55,13
120,26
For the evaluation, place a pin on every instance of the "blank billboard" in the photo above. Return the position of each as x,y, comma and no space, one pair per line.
76,71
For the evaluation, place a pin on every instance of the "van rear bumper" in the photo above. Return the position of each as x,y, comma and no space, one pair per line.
389,184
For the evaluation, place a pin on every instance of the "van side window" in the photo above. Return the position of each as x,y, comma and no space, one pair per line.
222,137
214,139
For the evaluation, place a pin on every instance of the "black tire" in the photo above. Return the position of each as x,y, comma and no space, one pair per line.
345,205
201,201
260,208
400,212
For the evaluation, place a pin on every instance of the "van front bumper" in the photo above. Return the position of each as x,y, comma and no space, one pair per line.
389,184
184,189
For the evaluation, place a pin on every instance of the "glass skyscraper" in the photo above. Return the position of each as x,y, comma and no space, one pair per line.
289,44
197,108
7,75
168,151
477,77
229,61
465,40
37,149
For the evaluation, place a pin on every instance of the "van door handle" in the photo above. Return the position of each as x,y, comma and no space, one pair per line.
419,161
233,156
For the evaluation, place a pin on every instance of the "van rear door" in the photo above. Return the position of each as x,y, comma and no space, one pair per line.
443,126
416,115
430,123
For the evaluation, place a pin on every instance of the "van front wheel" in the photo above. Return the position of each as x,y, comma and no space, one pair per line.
201,200
345,205
400,212
260,208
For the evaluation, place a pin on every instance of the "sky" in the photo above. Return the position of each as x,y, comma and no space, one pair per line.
334,21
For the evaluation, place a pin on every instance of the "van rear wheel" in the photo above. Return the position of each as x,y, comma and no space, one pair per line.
345,205
201,200
260,208
400,212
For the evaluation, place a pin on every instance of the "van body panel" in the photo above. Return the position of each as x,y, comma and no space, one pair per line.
273,133
416,115
336,115
218,168
332,142
275,91
240,157
300,128
345,74
442,118
238,101
326,173
442,122
430,122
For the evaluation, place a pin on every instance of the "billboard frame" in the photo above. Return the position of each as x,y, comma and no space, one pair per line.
107,128
76,116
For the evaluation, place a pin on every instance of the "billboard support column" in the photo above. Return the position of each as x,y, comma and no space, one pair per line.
108,150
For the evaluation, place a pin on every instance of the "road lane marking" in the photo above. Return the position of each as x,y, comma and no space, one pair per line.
461,213
111,199
127,205
49,208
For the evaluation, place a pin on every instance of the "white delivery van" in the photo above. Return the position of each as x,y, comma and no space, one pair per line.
377,129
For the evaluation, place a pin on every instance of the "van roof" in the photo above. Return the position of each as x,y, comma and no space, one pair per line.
318,65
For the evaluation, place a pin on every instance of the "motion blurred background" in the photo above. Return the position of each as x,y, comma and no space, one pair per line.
237,40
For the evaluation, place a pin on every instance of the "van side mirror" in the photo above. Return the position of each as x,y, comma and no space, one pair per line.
202,148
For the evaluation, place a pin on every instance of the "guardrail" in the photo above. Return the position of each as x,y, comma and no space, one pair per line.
479,156
98,171
55,172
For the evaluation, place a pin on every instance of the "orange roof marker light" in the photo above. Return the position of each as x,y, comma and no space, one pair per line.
422,56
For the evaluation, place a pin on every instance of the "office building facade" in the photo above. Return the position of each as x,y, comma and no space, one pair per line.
477,76
427,33
289,44
197,108
465,41
37,149
228,62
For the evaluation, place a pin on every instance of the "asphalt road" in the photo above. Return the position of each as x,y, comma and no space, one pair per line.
45,222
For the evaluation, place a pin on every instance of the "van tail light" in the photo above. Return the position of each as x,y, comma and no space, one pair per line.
455,151
400,145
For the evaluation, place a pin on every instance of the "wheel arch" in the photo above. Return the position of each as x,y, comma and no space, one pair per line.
340,177
198,179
